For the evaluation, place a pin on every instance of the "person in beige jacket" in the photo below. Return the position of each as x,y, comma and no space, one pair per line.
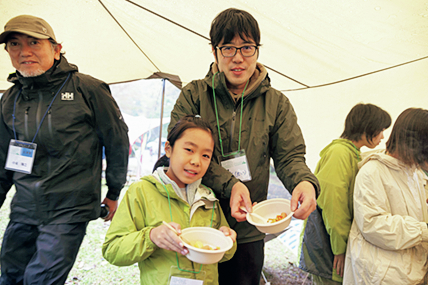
388,242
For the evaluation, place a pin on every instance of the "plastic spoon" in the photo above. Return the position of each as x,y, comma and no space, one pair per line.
254,214
179,236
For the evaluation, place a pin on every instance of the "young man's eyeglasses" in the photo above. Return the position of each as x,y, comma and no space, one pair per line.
246,51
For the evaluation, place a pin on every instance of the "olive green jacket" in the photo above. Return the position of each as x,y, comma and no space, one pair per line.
269,130
144,207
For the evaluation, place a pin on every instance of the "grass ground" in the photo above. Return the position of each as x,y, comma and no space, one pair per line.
91,268
280,266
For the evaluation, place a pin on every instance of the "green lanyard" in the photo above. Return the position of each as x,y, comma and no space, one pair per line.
170,212
240,121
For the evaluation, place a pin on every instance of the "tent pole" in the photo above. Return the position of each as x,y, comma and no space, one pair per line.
161,117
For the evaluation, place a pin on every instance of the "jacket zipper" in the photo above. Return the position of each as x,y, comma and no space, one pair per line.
42,217
39,109
26,123
37,185
232,126
51,134
232,130
50,123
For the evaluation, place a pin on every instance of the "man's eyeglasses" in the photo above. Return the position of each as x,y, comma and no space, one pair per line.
246,51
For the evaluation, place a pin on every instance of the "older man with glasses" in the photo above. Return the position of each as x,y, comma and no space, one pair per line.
252,123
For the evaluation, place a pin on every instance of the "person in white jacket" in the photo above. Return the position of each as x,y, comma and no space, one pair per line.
388,242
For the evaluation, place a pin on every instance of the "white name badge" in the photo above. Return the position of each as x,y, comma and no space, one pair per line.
184,281
186,276
237,164
20,157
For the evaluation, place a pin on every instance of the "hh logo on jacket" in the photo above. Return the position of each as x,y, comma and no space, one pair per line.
67,96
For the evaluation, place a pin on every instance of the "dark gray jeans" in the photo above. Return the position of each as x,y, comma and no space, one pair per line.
41,254
245,268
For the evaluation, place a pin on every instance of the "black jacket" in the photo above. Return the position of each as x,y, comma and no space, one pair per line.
65,183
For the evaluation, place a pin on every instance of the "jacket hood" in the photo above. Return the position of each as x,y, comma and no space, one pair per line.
343,142
258,81
387,160
197,194
56,73
160,175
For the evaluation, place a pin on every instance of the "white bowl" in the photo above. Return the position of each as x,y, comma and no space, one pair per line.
209,236
270,209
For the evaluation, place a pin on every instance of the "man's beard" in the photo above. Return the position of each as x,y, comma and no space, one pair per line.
32,73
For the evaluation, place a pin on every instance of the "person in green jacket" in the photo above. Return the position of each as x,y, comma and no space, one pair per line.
327,228
253,124
173,194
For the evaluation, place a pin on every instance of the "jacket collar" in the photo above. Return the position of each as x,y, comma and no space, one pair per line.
345,142
195,191
197,196
259,82
388,161
55,74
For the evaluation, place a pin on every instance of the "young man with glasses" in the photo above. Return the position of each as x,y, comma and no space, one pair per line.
252,123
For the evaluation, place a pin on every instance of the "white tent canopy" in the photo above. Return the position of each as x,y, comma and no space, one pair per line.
306,43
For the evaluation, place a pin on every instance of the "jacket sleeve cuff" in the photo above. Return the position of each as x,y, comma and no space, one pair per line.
151,246
113,194
317,188
339,248
228,189
424,227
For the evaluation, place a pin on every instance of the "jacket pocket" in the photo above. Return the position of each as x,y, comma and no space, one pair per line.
56,200
65,123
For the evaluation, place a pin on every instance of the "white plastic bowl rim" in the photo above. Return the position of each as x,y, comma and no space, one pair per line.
252,221
210,251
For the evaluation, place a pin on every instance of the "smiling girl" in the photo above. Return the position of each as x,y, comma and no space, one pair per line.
176,195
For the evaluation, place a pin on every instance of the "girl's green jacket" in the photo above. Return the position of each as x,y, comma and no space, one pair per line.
144,207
